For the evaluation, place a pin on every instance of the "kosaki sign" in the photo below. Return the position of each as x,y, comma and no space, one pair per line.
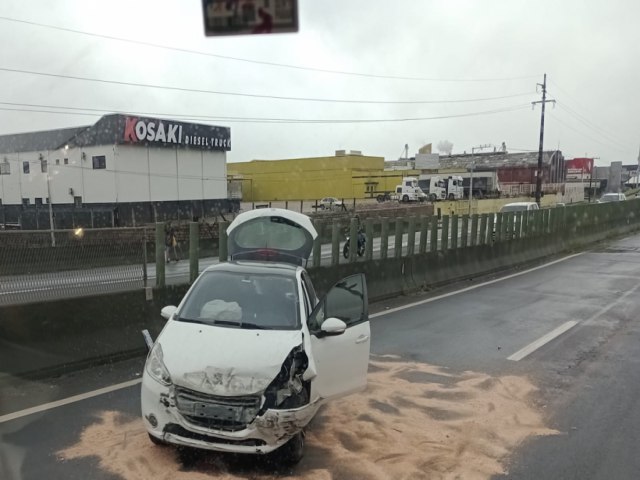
168,133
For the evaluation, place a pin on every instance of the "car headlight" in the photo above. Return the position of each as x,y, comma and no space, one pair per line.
156,368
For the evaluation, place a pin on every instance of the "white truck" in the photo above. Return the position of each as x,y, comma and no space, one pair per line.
485,185
409,191
445,188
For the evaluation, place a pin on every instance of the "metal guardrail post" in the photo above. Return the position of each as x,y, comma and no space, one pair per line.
194,250
353,240
411,237
498,227
317,245
517,225
335,243
223,252
433,241
454,232
487,229
474,230
424,228
368,249
464,234
384,238
160,248
444,233
399,231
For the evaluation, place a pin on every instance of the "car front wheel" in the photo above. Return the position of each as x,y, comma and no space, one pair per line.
292,452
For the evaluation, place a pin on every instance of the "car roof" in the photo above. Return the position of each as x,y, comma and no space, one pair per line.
245,266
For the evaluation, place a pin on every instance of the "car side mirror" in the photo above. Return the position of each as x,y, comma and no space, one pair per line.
333,326
168,311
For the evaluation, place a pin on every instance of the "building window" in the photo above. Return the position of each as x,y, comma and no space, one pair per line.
66,161
25,168
38,202
57,161
99,162
77,201
25,202
5,168
43,166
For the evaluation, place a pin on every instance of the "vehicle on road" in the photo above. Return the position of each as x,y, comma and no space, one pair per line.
329,203
249,355
514,207
612,197
362,242
519,207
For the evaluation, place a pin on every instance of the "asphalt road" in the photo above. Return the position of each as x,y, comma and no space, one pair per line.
571,328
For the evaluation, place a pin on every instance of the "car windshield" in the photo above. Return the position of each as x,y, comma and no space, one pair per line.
610,198
243,300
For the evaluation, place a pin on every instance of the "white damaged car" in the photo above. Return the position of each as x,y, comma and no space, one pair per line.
250,354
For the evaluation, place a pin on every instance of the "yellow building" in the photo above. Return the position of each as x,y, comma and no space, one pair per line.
345,175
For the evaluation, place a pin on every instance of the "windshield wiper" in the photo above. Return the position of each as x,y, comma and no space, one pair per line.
253,326
191,320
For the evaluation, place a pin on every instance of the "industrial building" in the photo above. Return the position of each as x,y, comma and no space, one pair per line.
122,170
344,175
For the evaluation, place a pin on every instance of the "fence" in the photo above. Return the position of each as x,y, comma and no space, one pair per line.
38,265
109,260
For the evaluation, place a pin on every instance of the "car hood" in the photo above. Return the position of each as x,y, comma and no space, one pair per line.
225,361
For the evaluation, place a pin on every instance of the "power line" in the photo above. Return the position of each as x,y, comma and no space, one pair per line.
565,92
258,62
255,95
99,112
590,125
590,137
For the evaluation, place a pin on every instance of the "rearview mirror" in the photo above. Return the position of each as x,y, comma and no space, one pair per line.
333,326
168,311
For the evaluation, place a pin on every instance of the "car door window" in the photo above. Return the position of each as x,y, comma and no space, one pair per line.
347,301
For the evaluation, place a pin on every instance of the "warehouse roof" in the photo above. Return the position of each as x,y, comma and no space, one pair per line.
122,129
38,141
496,160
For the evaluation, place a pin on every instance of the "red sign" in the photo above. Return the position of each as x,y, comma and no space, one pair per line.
582,165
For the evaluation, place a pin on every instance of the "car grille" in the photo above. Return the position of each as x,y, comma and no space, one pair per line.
217,412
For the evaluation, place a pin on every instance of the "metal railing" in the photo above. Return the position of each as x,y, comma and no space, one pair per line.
79,262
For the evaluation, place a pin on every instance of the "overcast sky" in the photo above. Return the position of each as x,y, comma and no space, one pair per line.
589,49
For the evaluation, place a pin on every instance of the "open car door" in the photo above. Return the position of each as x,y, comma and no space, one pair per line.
340,339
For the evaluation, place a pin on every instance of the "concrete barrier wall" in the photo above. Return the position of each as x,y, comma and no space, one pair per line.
45,338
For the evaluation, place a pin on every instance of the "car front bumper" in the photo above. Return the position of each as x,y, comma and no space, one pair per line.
264,434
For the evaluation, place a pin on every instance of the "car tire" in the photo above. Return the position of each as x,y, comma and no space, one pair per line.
433,197
156,441
451,196
292,452
405,198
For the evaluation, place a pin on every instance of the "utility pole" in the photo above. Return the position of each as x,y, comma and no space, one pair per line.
539,172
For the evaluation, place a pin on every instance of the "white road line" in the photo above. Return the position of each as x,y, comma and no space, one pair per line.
533,346
473,287
66,401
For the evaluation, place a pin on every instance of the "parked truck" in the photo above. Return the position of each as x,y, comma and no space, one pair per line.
441,187
455,187
409,191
